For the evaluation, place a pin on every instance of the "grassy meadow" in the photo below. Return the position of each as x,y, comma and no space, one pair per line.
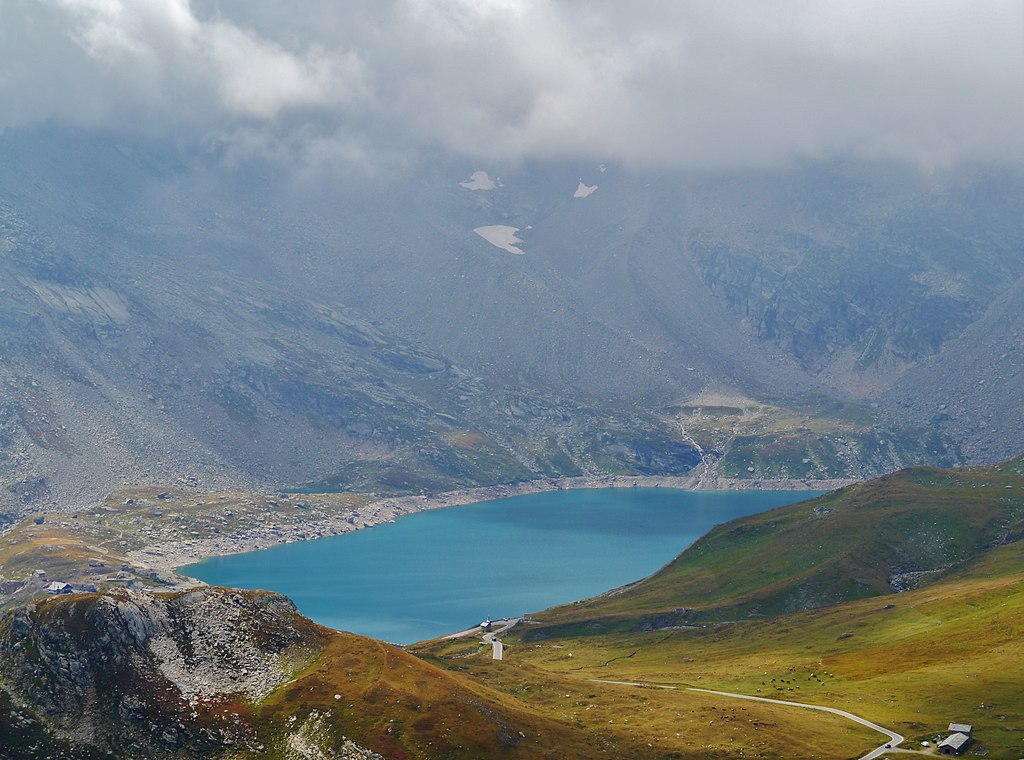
800,604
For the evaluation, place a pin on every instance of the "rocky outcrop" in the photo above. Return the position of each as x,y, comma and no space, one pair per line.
238,675
144,675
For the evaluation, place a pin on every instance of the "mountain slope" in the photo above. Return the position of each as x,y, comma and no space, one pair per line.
180,313
878,537
143,344
767,615
222,673
915,661
219,672
973,389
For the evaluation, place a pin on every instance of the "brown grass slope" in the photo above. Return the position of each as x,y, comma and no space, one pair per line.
950,651
225,673
402,707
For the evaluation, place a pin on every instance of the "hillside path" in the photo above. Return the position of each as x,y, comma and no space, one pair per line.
895,739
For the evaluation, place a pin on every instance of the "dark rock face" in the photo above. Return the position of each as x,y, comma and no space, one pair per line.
124,672
678,618
849,294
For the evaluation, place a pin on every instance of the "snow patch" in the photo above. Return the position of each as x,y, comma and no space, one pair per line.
584,190
478,181
501,236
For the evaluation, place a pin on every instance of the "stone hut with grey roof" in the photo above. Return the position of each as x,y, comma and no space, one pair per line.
960,736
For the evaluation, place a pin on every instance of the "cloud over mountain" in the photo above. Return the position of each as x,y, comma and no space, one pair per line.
654,83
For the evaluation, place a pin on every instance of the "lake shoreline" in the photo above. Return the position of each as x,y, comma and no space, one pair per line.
168,559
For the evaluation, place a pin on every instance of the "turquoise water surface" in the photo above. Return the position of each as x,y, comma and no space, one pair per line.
444,570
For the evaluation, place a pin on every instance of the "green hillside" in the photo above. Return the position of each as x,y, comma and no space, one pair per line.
891,534
804,604
951,651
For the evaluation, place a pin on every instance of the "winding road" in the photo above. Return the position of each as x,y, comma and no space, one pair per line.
497,648
895,739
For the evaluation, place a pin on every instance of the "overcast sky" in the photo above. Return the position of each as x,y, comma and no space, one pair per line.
663,83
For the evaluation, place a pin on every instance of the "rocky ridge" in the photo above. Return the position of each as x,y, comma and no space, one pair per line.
222,673
129,673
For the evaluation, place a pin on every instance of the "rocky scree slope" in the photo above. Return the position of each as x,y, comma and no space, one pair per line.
145,344
165,314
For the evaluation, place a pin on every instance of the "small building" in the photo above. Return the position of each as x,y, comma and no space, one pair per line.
57,587
960,728
487,626
954,744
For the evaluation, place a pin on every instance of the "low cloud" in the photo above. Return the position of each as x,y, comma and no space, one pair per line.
652,83
144,62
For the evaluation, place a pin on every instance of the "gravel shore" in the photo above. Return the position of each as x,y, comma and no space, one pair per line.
167,557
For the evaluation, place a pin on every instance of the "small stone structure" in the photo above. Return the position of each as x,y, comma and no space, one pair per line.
959,738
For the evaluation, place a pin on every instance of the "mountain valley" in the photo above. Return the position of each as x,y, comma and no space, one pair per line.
859,599
359,335
400,315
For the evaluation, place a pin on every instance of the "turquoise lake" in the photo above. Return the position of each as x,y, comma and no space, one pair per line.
444,570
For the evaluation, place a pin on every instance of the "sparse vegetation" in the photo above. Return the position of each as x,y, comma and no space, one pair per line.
124,541
744,438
